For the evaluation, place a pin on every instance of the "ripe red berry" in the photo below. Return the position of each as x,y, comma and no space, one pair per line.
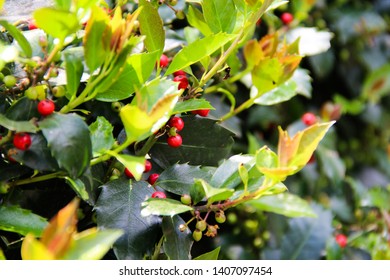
159,194
46,107
153,178
309,119
287,18
164,61
176,122
179,73
148,166
32,25
22,141
183,81
341,239
175,141
203,112
129,174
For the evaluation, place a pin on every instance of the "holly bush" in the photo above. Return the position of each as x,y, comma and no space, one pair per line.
173,130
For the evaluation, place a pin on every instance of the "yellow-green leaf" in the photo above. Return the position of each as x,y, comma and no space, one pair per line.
136,165
33,249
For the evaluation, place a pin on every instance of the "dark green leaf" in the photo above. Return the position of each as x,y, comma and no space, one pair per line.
197,193
306,237
212,255
179,178
74,71
23,110
286,204
22,221
191,105
38,156
163,207
220,15
204,143
151,26
22,41
198,50
119,207
69,141
11,171
18,126
57,23
101,135
177,244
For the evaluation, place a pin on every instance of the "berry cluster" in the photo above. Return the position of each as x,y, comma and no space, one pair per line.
174,139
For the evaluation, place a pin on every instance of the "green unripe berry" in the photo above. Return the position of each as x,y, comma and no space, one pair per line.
116,106
9,81
113,177
59,91
186,199
220,217
180,14
31,93
1,76
41,91
201,225
197,235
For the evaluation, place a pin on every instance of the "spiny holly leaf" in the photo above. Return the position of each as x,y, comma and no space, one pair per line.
177,244
179,178
163,207
204,143
119,207
22,221
69,141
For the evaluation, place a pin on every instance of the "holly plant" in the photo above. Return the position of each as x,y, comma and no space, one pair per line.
133,107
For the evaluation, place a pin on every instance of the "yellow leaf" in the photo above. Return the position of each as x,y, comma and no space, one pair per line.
287,147
33,249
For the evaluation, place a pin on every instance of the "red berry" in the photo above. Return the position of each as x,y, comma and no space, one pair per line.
176,122
287,18
128,173
32,25
164,61
159,194
203,112
175,141
153,178
22,141
179,73
183,81
46,107
148,166
309,119
341,239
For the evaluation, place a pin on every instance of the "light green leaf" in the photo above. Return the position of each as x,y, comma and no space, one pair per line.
191,105
101,135
282,93
377,84
136,165
57,23
79,187
286,204
196,19
18,126
220,15
22,221
92,244
163,207
151,26
214,194
19,37
266,75
198,50
212,255
74,71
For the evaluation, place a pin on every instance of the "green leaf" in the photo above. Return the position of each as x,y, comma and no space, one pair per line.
331,164
69,141
286,204
79,187
220,15
266,75
22,221
24,109
196,19
74,70
64,4
197,193
136,165
191,105
38,156
2,257
137,70
311,40
214,194
179,178
212,255
18,126
377,84
151,26
306,237
57,23
92,244
177,244
19,37
380,198
101,135
198,50
204,143
282,93
119,207
163,207
94,51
